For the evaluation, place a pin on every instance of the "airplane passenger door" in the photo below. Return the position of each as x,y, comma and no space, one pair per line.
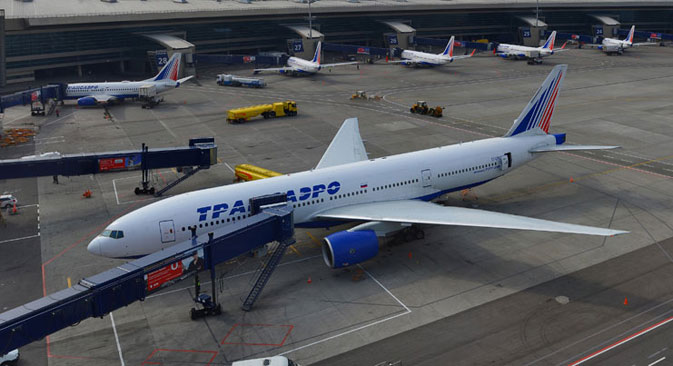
426,177
167,231
506,161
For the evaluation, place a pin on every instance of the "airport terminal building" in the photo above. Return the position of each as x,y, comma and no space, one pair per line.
41,38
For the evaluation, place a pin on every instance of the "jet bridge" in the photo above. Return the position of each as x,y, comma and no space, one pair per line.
30,96
103,293
200,154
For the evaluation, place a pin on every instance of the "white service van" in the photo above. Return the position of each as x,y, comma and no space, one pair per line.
267,361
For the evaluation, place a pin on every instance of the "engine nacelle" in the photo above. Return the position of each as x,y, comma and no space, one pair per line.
346,248
86,101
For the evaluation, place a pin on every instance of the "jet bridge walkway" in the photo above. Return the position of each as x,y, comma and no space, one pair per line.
103,293
200,154
28,97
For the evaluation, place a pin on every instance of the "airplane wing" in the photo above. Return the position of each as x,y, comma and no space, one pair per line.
464,56
420,212
274,69
346,147
570,148
644,44
339,64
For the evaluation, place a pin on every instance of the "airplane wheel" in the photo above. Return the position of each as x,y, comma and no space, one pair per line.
272,114
420,234
137,191
192,314
152,191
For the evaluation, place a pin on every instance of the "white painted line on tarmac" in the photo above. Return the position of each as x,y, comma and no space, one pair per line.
407,311
165,126
114,186
119,346
657,361
22,238
230,168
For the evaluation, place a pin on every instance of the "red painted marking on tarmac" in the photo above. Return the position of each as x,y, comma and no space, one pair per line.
162,177
291,327
620,342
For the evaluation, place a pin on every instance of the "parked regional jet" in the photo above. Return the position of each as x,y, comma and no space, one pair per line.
613,45
89,94
385,194
532,54
296,65
417,58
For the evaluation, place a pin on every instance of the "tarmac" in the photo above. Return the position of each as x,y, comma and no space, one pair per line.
469,295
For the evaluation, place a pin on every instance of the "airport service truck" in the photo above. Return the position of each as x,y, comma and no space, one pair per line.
232,80
148,95
279,109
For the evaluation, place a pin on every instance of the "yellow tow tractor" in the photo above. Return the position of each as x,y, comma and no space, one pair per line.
279,109
361,94
421,107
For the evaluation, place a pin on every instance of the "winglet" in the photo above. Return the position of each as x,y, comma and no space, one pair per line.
473,51
564,45
346,147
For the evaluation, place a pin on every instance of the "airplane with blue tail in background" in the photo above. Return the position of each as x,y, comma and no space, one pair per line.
384,196
296,65
91,94
534,55
418,58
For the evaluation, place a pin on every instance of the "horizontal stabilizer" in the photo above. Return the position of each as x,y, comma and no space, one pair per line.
570,148
180,81
420,212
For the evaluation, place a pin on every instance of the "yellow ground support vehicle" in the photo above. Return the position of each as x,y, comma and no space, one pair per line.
279,109
421,107
361,94
247,172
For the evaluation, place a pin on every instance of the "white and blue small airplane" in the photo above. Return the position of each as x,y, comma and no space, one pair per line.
418,58
613,45
91,94
385,195
532,54
296,65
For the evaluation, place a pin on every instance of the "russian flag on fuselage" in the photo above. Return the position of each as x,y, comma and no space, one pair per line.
539,111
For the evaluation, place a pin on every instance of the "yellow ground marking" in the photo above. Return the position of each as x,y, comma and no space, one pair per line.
69,283
313,239
295,250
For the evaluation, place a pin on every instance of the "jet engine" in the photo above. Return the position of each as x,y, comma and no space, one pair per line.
346,248
86,101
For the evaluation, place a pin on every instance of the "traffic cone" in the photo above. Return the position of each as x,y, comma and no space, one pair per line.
410,255
14,211
309,280
626,300
572,180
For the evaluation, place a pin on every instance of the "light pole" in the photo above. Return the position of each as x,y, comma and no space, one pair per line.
310,21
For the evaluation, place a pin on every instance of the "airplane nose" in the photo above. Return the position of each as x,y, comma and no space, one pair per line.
95,247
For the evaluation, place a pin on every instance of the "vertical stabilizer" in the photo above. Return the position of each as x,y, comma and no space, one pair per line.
448,51
629,37
538,113
550,41
316,57
170,70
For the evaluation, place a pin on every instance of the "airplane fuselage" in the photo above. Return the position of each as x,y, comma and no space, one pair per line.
422,175
523,51
119,90
425,58
301,65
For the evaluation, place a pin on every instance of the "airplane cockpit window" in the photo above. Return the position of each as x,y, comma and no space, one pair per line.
114,234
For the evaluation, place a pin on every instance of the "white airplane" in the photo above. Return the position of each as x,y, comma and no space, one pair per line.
613,45
417,58
386,194
296,65
532,54
90,94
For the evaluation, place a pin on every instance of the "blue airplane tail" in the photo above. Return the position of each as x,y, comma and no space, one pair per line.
170,70
316,56
539,111
448,51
